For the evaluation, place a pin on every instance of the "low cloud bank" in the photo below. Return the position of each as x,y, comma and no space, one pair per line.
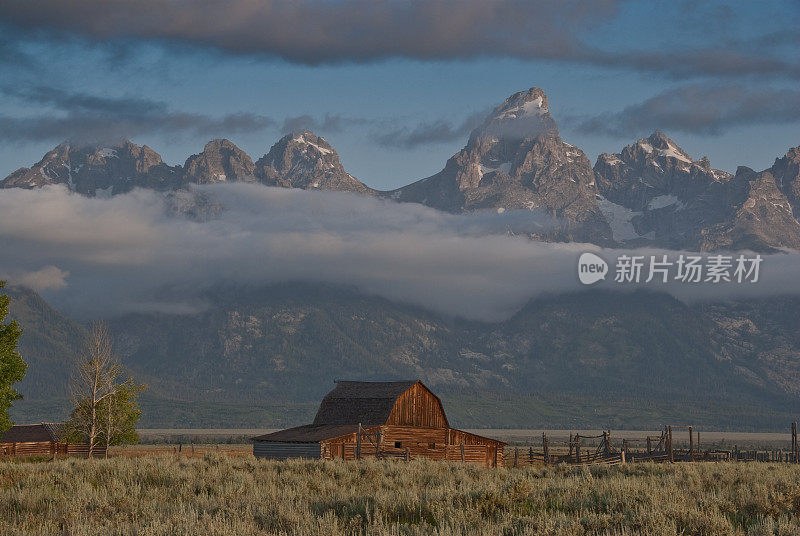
101,257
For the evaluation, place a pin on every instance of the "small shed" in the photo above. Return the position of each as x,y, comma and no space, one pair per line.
381,419
43,439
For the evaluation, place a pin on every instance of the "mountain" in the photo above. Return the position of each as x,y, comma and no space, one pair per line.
587,359
654,193
786,172
305,160
49,344
220,161
517,160
298,160
98,171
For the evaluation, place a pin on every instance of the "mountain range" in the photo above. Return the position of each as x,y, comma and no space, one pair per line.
652,193
263,356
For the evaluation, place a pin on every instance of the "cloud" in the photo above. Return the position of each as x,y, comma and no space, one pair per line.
43,279
698,109
312,32
428,132
127,253
83,117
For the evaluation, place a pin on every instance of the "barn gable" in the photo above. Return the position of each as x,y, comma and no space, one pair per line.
368,403
418,406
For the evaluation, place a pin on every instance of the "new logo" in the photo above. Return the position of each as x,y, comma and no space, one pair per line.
591,268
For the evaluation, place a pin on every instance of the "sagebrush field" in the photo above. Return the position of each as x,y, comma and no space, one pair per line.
217,494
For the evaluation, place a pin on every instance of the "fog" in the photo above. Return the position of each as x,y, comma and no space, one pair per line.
102,257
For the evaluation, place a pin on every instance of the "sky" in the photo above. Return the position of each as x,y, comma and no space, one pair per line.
395,87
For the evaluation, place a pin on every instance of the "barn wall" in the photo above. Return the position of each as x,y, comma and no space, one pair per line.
282,451
418,407
50,448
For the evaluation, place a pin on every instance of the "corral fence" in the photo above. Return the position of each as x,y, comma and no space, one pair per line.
599,449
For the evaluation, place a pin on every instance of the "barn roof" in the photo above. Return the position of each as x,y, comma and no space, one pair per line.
368,403
309,433
33,433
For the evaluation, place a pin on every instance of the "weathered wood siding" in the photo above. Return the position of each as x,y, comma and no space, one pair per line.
283,451
418,407
50,448
434,443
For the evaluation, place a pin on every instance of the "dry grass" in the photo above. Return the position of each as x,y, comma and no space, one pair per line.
227,495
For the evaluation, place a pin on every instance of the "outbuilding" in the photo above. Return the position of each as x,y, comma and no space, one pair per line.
382,419
43,439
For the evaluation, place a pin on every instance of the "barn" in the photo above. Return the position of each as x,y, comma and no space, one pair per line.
402,419
43,439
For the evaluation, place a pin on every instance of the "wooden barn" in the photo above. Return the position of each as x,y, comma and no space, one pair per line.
382,419
43,439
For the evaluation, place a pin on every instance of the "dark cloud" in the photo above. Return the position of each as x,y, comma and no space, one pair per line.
311,33
698,109
85,117
428,132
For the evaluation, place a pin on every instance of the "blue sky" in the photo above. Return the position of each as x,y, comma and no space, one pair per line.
719,78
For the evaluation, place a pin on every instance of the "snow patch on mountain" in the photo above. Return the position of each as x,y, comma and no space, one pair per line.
620,219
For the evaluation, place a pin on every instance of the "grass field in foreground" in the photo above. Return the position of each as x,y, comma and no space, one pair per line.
225,495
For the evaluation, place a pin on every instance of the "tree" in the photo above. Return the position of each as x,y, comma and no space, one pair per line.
105,408
119,414
12,367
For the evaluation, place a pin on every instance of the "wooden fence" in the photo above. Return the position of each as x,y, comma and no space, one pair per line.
655,449
49,448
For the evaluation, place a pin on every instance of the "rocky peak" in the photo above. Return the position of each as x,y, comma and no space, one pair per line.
304,160
653,167
220,161
523,115
786,171
757,215
517,160
97,170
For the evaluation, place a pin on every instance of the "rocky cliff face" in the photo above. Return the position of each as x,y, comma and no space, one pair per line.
220,161
517,160
654,193
98,171
305,160
786,171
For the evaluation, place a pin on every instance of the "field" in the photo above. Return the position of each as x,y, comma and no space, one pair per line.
215,493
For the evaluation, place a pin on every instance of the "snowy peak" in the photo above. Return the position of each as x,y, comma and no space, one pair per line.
523,115
220,161
97,170
523,103
304,160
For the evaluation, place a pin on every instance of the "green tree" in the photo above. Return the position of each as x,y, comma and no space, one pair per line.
12,367
105,409
119,414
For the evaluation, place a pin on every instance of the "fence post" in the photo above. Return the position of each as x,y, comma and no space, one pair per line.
545,449
407,458
530,455
358,442
794,443
461,447
516,455
669,440
691,445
